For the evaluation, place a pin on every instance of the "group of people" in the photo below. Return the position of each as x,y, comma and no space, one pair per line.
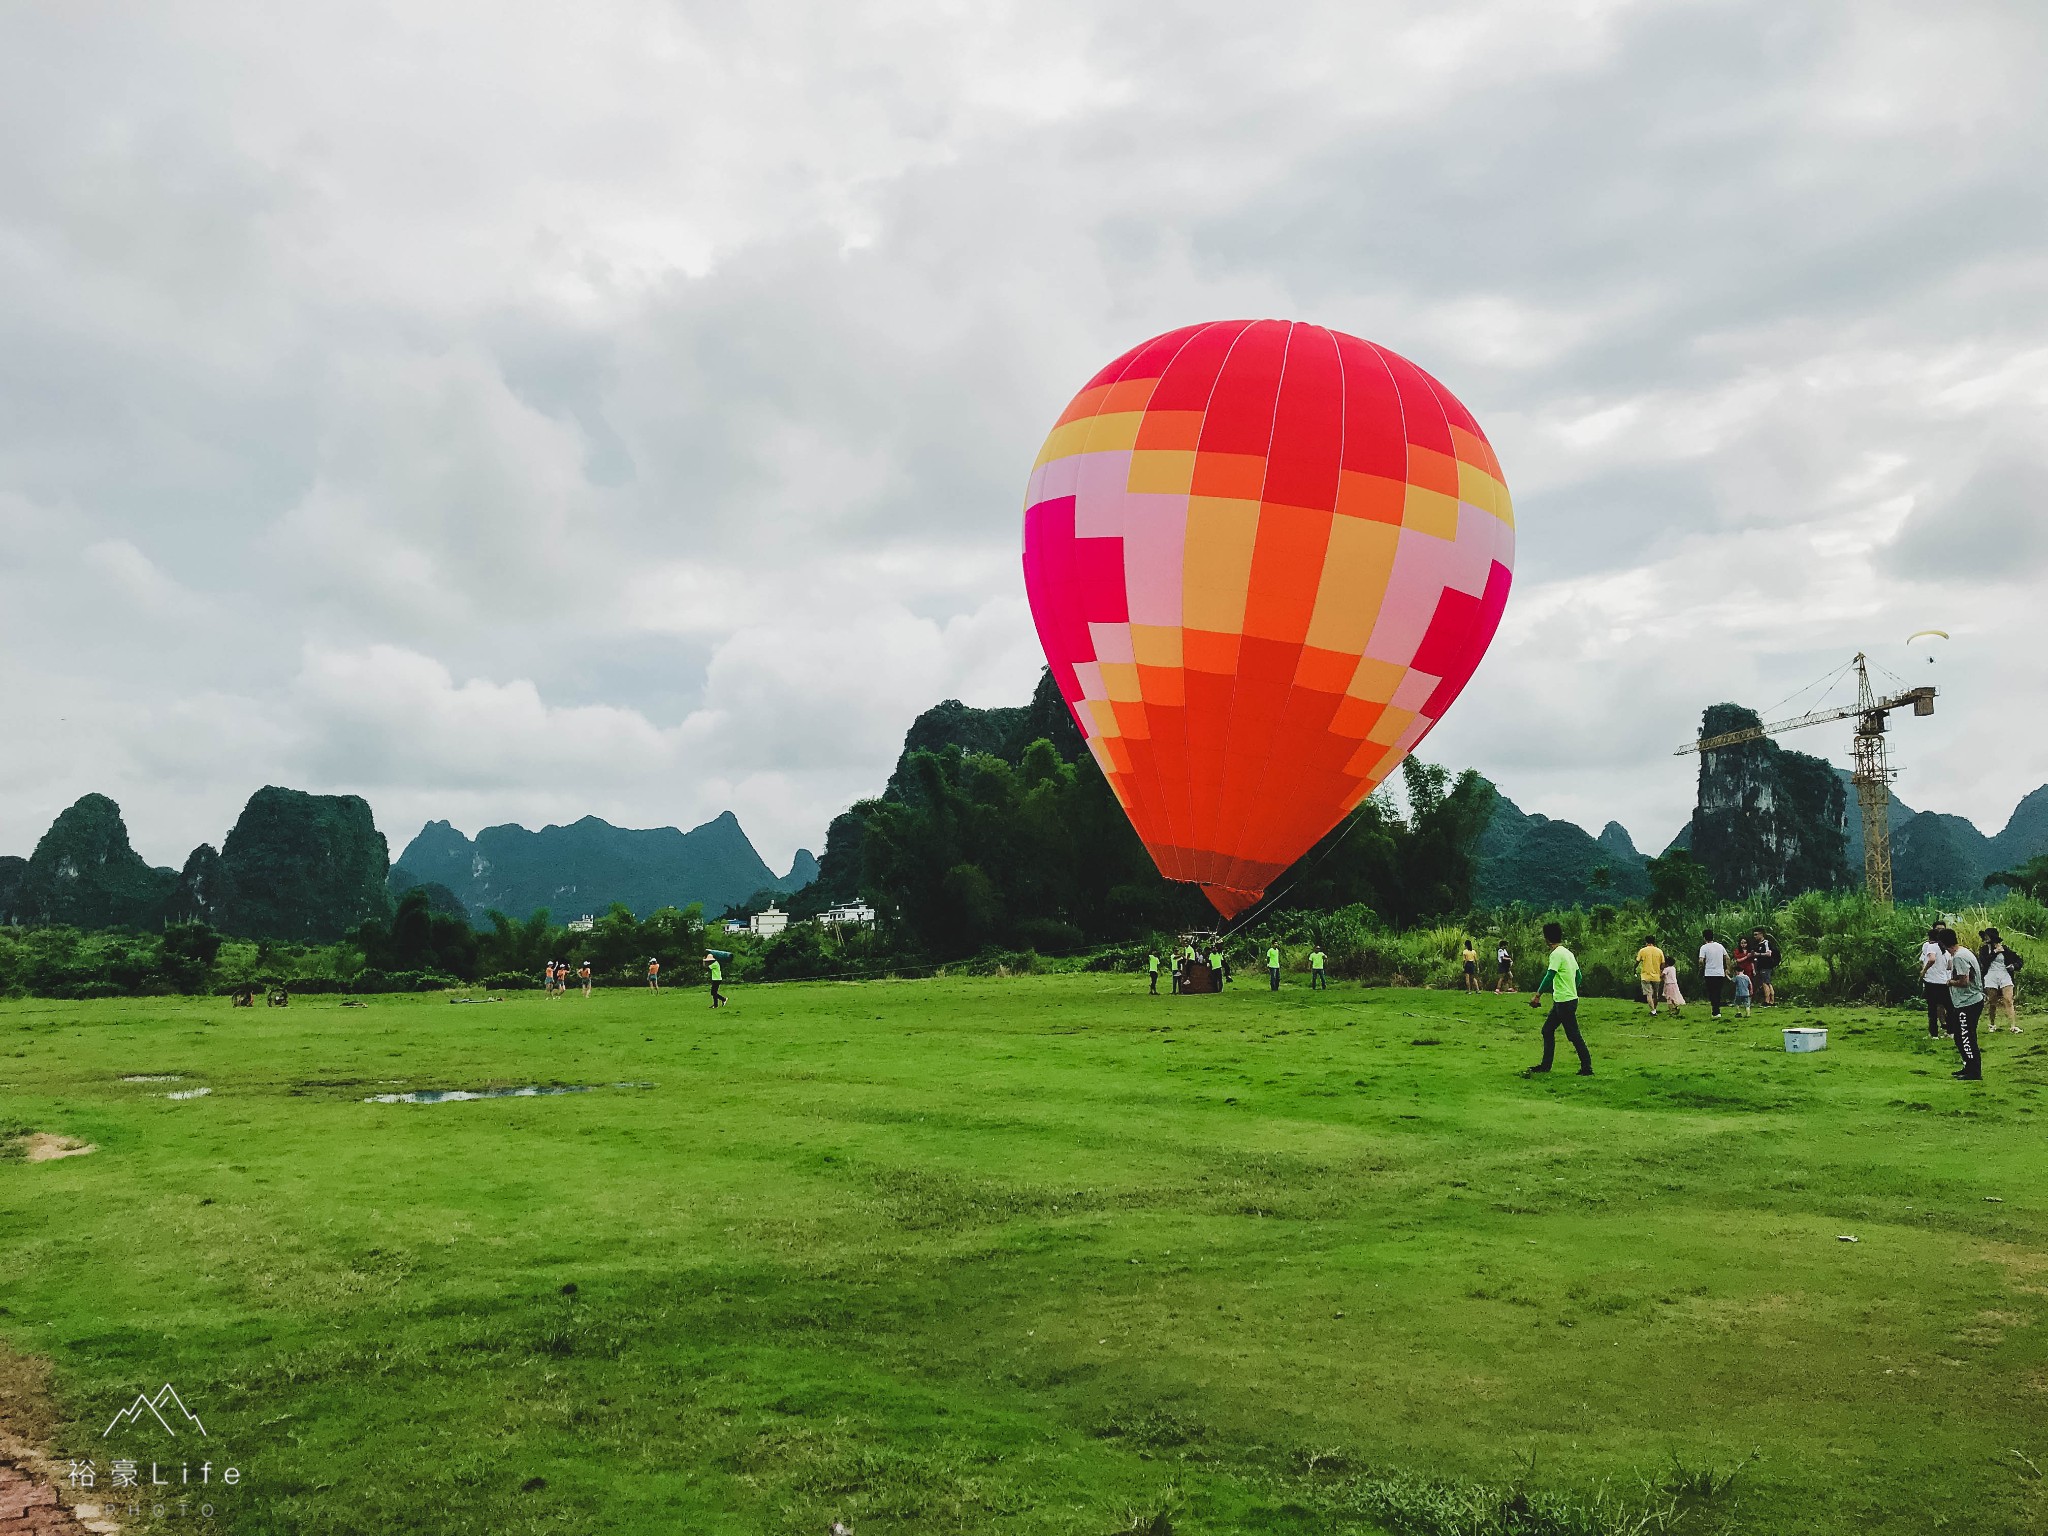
1752,967
1214,969
559,974
1753,964
1503,967
1960,985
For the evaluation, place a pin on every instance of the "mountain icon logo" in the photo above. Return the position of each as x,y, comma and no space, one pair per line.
146,1406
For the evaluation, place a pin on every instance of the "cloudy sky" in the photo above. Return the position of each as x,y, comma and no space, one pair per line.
516,412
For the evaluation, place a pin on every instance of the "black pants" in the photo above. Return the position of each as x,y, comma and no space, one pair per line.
1318,979
1965,1019
1274,972
1714,986
1567,1015
1940,1017
1155,983
717,997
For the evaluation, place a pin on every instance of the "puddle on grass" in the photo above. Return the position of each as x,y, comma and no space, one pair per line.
189,1093
154,1077
453,1095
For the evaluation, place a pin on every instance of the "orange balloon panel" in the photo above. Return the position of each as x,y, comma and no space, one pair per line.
1263,557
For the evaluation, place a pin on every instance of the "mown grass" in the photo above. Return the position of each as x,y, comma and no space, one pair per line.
1038,1255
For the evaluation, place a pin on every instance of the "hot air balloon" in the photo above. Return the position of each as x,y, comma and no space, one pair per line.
1264,558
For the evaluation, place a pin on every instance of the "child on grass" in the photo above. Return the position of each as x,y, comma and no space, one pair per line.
1672,996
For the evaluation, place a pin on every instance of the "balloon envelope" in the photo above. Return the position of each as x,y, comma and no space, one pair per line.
1263,558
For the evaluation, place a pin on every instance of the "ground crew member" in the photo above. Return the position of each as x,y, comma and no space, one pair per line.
717,974
1273,965
1561,981
1216,967
1152,967
1318,974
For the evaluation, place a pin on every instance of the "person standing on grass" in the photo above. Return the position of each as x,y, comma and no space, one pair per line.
1934,983
1713,968
583,975
716,973
1561,981
1152,969
547,985
1216,966
1470,955
1650,970
1273,965
1765,949
654,973
1318,970
1966,1002
2001,977
1673,998
1503,969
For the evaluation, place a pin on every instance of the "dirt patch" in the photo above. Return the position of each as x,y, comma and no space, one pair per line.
47,1147
33,1501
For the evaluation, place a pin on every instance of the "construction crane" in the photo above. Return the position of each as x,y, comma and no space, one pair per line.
1873,773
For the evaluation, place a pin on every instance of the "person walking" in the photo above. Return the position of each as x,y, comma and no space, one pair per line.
1966,1002
1673,998
1503,970
1713,968
583,975
2001,980
1650,970
1470,956
654,973
1934,983
715,972
1561,981
1152,968
1273,965
1318,970
547,985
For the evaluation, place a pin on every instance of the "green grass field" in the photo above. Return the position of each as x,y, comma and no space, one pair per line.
1037,1255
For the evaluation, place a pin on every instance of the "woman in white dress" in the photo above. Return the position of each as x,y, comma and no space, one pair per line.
2001,971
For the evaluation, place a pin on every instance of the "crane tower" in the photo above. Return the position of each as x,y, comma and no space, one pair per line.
1872,774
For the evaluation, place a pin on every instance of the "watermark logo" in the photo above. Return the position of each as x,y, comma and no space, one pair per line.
153,1408
154,1490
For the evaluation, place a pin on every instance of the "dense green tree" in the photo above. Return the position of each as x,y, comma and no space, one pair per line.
1679,887
2029,879
418,938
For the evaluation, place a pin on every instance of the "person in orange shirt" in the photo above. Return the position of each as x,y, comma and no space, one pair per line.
654,974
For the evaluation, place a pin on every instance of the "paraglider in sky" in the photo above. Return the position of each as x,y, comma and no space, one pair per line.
1921,642
1264,558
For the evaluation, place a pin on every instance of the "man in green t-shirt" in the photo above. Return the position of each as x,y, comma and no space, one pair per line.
1273,965
1561,981
1318,969
1152,969
1216,966
716,972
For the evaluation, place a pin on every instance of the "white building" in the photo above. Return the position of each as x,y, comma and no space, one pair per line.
859,914
767,924
582,924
